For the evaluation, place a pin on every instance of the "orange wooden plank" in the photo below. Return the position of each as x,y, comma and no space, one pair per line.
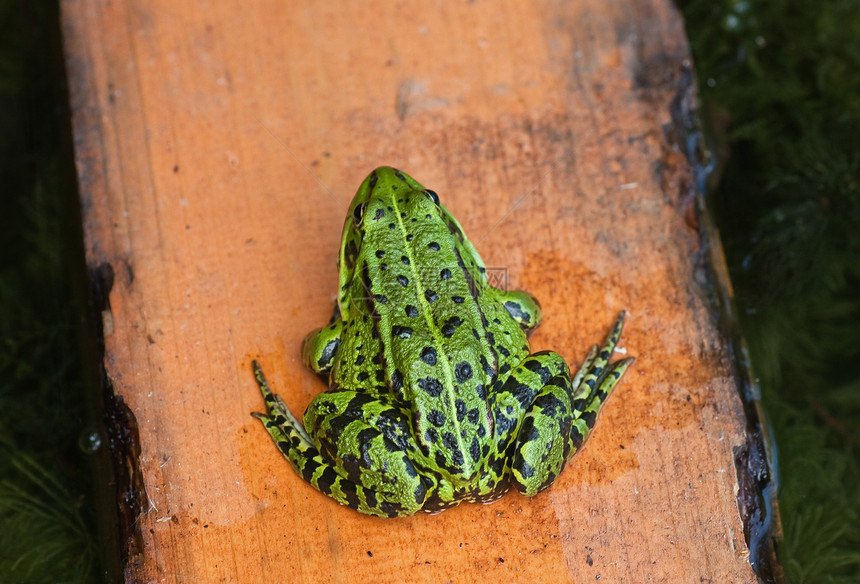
218,145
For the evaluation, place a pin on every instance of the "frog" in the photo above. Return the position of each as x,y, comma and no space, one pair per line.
434,397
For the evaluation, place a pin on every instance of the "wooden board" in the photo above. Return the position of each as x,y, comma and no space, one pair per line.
218,145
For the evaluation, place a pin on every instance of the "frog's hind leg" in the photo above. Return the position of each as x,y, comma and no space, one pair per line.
539,448
370,443
562,412
332,478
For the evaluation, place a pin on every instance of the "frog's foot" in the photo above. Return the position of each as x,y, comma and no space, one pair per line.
378,482
522,306
279,421
320,346
593,383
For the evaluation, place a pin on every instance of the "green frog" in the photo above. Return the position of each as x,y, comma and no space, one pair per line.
435,397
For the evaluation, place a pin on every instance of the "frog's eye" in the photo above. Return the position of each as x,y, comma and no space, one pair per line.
358,212
433,196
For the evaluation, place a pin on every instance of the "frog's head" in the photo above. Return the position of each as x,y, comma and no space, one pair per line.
368,219
385,205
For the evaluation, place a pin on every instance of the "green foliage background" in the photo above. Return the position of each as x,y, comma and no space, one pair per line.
781,94
780,84
45,532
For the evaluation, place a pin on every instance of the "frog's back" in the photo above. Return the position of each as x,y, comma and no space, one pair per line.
420,290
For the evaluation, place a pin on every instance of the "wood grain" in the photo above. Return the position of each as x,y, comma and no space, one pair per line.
218,145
